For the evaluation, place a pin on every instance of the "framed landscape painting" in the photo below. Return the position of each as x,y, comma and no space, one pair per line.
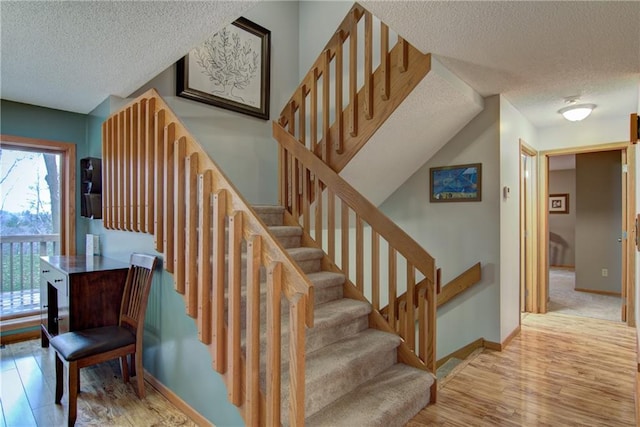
231,69
460,183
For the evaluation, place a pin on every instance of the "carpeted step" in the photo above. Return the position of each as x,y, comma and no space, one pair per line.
269,214
288,236
390,399
327,286
336,369
309,259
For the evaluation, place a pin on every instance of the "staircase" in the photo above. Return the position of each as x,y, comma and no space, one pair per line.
280,295
353,377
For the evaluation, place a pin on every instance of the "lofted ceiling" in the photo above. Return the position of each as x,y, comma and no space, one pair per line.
72,55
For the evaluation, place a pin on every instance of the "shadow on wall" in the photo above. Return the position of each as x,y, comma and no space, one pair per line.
557,249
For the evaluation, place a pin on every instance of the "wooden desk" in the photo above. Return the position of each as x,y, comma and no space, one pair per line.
79,292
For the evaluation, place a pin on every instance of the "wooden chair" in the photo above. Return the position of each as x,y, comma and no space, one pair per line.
87,347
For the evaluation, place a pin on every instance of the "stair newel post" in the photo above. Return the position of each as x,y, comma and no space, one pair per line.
368,65
159,180
274,293
218,274
423,338
432,300
169,172
252,375
191,225
204,257
235,297
179,214
297,309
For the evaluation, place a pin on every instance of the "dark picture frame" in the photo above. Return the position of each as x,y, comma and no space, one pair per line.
459,183
231,70
559,203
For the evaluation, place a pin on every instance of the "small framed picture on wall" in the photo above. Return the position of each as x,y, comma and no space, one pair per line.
559,203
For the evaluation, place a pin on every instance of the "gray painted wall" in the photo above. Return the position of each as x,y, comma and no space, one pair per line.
598,221
562,226
459,235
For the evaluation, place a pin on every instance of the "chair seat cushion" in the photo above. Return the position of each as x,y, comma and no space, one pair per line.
88,342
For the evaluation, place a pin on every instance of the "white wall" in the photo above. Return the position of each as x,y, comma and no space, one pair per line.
459,235
242,146
513,128
592,131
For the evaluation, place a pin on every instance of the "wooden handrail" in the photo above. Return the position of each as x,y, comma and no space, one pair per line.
159,180
455,287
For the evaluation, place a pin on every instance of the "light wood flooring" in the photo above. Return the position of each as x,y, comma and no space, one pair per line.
559,371
27,385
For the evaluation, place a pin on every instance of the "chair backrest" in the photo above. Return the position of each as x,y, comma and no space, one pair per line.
136,291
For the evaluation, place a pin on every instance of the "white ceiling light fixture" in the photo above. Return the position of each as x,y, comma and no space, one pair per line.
575,112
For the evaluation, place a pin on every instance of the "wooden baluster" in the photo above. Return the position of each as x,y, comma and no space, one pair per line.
204,257
401,327
159,180
106,185
432,302
403,61
368,65
142,165
318,214
126,173
423,337
344,213
282,172
149,157
375,269
331,224
274,284
191,226
179,213
168,232
359,254
235,296
133,163
218,342
297,311
385,68
410,338
295,211
252,395
120,175
338,144
306,202
326,107
302,116
392,288
353,76
314,110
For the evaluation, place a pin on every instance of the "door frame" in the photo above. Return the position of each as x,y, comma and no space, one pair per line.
628,202
528,223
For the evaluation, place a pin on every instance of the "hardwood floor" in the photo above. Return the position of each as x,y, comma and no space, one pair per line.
560,371
27,385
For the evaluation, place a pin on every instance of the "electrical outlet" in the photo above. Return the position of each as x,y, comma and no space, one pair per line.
605,272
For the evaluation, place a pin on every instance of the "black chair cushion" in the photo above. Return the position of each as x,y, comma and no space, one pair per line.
88,342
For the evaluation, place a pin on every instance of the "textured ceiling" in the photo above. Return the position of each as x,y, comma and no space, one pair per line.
535,53
72,55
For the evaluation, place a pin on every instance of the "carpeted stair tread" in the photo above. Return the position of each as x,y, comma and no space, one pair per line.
288,236
390,399
338,311
271,215
340,367
327,286
303,253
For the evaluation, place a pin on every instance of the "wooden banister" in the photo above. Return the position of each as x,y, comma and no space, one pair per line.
161,181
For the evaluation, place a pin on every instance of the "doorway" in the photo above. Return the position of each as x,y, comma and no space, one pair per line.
625,282
528,235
